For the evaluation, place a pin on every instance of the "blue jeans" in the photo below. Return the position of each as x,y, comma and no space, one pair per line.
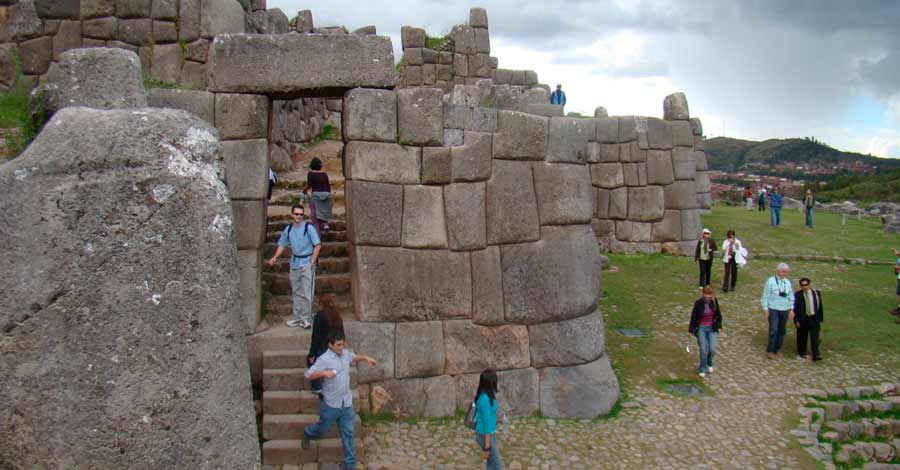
706,342
345,418
493,461
777,322
775,215
809,217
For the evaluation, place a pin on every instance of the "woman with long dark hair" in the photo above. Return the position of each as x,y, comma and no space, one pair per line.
324,322
706,321
320,200
486,419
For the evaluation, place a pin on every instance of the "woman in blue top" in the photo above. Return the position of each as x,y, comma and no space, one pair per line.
486,419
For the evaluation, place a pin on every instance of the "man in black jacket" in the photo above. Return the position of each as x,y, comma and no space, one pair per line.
703,255
808,317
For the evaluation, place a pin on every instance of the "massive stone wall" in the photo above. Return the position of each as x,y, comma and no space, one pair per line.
473,252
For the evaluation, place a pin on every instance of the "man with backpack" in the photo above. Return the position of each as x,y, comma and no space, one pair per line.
304,241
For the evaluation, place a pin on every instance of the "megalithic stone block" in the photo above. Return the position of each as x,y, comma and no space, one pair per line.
564,193
478,18
659,134
700,160
586,391
221,17
681,134
569,342
382,162
279,63
645,203
487,287
411,37
424,224
472,161
669,229
690,224
374,339
511,204
465,213
250,267
464,39
684,163
659,167
419,349
681,195
618,203
473,348
420,116
608,130
521,136
375,213
246,168
528,268
568,140
607,175
370,114
240,116
675,107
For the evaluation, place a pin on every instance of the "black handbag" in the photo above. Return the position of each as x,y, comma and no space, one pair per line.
469,421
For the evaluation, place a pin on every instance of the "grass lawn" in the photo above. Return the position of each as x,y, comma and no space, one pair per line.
656,292
858,239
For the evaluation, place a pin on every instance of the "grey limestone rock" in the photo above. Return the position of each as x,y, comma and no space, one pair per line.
511,206
370,115
568,141
669,228
520,136
684,163
472,161
412,37
681,134
250,231
36,55
188,20
645,203
62,9
473,348
162,9
424,225
221,17
436,165
618,203
635,174
375,212
600,112
680,195
241,116
601,204
68,37
382,162
675,107
23,21
375,340
478,18
659,167
7,66
690,225
482,41
133,8
419,349
368,30
304,22
563,192
545,109
457,117
700,160
528,268
98,8
465,209
420,116
100,28
99,78
565,343
607,175
608,130
584,391
279,63
138,32
696,126
464,39
702,182
166,63
246,168
413,56
177,330
397,284
272,21
487,289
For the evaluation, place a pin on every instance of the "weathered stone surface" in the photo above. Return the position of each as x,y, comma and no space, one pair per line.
431,397
413,56
368,30
659,134
249,223
472,161
593,152
396,284
272,21
453,138
199,103
628,230
7,66
702,182
370,115
600,112
436,168
419,349
59,9
487,289
375,340
628,127
521,136
568,139
704,200
305,22
221,17
460,65
166,63
608,130
690,225
684,163
568,342
484,120
564,193
246,168
511,206
479,66
681,195
457,117
375,212
412,75
138,32
482,41
383,163
36,55
465,209
696,126
635,174
609,153
420,116
280,63
545,109
634,248
250,271
163,9
412,37
681,134
174,210
531,78
188,20
68,37
99,78
675,107
659,167
23,22
423,217
478,18
440,397
464,39
700,160
473,348
98,8
618,203
669,229
683,248
528,268
164,31
584,391
601,204
607,175
100,28
133,8
645,203
241,116
193,76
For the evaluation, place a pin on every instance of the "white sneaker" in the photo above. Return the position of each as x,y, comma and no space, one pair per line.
305,324
293,323
710,370
702,374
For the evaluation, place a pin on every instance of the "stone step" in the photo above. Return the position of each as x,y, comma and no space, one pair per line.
292,379
284,359
325,266
279,283
280,337
328,250
289,452
289,197
272,236
282,306
281,427
282,402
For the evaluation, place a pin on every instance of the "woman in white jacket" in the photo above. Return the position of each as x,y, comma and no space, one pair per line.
734,255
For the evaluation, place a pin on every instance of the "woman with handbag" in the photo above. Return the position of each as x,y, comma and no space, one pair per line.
324,322
485,419
734,255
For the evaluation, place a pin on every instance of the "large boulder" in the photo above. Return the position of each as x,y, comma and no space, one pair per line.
584,391
119,346
568,342
272,21
100,78
564,193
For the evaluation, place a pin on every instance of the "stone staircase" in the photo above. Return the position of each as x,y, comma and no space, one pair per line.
289,406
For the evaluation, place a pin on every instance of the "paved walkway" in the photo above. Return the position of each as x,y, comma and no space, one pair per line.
744,425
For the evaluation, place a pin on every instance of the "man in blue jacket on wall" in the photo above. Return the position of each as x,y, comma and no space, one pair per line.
558,96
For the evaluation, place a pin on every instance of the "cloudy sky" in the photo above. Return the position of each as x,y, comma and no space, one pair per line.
751,69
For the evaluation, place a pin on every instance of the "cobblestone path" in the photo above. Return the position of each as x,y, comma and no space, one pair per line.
744,424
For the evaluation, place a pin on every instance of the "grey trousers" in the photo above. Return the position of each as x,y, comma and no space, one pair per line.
303,282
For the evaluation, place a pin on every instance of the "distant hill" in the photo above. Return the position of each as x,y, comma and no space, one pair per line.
860,188
782,157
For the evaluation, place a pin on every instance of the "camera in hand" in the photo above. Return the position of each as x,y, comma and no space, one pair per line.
782,294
